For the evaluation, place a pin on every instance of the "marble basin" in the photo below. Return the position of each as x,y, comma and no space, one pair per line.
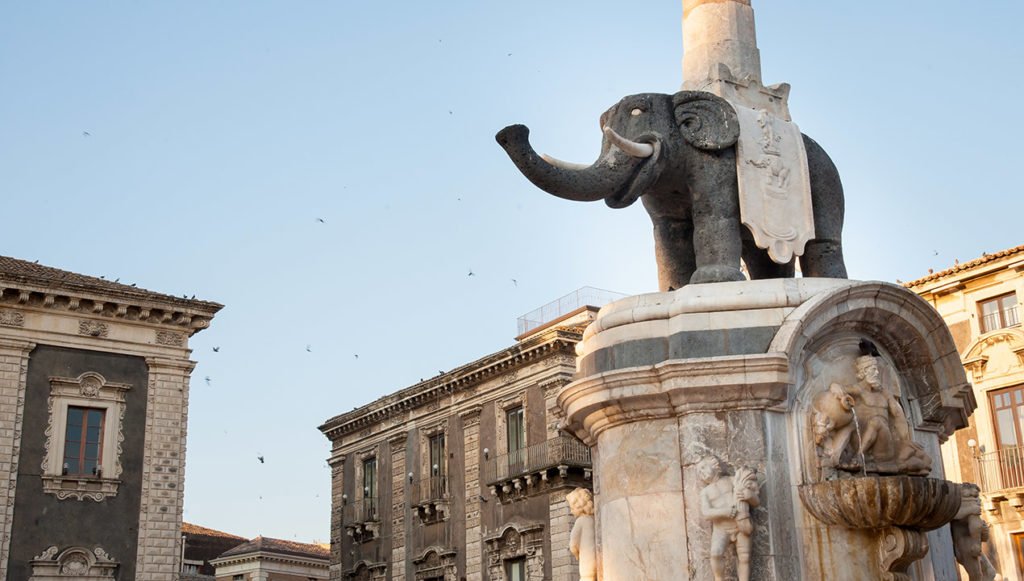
874,502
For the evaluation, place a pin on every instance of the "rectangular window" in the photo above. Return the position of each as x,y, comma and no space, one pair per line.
83,441
370,489
516,432
1008,418
998,313
515,569
437,459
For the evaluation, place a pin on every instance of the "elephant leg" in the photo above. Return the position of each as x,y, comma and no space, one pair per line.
823,256
716,216
673,250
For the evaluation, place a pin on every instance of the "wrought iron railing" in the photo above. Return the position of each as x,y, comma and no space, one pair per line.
1000,319
1001,470
365,510
430,489
559,451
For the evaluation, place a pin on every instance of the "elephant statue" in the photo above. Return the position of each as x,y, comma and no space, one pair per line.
678,152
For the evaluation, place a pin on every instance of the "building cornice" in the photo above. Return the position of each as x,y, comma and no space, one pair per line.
270,556
462,378
140,306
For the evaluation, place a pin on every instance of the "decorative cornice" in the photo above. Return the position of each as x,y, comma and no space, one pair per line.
190,315
556,341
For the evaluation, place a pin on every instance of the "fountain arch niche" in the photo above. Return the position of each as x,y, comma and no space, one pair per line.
715,391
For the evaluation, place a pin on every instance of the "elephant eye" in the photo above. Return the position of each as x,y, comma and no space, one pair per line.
636,112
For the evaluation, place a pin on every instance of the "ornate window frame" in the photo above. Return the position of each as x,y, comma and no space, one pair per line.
435,562
90,390
514,541
72,563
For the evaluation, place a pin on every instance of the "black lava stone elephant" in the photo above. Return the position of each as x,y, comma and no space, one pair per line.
678,152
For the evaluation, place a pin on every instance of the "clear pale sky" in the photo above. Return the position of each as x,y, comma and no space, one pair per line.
191,147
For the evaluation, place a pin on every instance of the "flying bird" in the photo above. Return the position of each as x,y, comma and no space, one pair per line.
86,134
216,349
309,349
260,458
356,355
321,220
471,273
515,282
207,380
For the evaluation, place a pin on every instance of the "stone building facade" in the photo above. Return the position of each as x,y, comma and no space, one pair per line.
464,475
979,300
268,559
94,379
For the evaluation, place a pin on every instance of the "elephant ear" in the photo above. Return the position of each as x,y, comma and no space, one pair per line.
706,121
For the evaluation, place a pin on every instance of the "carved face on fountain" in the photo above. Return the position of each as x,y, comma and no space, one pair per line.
868,372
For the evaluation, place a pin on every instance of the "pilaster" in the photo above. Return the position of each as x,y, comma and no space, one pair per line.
13,375
563,566
337,464
471,444
398,540
163,470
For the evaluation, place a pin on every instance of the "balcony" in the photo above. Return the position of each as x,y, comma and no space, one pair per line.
361,519
430,498
1001,477
559,462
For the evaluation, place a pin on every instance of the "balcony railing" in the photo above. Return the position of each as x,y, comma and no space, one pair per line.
1003,318
560,451
430,489
365,510
1001,470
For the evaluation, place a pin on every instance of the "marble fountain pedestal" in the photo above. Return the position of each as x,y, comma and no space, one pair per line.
707,410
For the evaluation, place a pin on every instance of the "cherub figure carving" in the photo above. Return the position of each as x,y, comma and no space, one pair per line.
871,410
726,502
582,541
969,532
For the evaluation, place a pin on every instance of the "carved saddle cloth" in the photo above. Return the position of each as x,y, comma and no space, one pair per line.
774,183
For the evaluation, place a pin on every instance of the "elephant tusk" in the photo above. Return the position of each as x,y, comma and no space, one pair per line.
564,164
630,147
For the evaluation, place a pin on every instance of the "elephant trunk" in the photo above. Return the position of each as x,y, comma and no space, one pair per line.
605,178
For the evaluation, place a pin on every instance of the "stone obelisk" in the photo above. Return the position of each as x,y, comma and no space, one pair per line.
721,55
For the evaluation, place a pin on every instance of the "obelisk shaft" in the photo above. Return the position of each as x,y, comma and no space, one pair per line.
720,55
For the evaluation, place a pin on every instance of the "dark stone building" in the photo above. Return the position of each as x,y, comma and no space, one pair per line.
94,379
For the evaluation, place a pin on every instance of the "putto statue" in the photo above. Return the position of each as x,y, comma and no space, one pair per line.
582,542
726,502
868,415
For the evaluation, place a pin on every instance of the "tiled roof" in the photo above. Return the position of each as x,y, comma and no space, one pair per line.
280,546
16,270
985,258
191,529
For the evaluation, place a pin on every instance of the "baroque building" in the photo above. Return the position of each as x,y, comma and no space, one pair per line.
94,382
979,300
464,475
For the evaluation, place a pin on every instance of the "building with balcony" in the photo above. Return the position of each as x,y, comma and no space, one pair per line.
94,384
464,476
980,301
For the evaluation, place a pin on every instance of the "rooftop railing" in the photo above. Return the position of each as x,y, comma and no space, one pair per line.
583,297
559,451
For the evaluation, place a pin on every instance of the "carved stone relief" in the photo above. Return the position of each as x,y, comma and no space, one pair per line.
516,541
93,328
74,562
969,532
10,318
435,562
726,501
170,338
856,420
